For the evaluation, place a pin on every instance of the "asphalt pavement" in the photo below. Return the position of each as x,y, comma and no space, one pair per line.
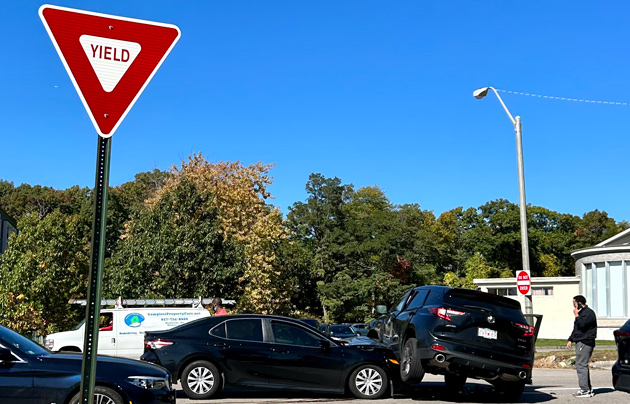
549,385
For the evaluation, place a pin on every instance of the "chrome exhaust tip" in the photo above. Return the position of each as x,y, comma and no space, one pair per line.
522,374
440,358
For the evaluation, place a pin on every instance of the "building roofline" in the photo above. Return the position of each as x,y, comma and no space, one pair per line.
11,220
613,238
536,280
600,250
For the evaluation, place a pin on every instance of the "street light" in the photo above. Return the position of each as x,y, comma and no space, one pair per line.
479,94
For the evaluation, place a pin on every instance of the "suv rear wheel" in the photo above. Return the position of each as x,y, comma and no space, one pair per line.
411,370
509,392
454,383
201,380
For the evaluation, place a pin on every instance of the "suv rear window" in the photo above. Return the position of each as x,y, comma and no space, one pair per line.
483,301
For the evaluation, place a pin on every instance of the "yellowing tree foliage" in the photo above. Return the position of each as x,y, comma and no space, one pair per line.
239,193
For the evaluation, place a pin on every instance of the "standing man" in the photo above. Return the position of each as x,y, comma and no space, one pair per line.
584,334
217,306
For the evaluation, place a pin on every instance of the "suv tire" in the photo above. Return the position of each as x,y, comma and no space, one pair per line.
201,380
454,383
509,392
368,382
411,370
103,395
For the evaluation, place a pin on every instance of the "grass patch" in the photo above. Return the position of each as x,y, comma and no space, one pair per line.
541,342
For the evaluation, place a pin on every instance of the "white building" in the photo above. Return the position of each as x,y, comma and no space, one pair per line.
552,297
605,273
602,276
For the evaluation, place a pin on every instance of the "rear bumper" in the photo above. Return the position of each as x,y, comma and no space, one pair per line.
475,362
621,377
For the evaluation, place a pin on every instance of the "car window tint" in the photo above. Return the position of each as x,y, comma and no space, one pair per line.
288,334
402,302
219,331
244,329
418,299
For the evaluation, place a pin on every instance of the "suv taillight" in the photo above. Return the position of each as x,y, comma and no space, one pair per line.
528,330
619,333
446,314
157,343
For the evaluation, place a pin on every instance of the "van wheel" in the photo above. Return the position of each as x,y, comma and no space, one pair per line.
201,380
102,395
509,392
411,370
454,383
368,382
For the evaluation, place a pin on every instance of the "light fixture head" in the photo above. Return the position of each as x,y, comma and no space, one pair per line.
481,92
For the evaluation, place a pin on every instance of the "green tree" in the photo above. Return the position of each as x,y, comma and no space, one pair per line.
46,264
174,249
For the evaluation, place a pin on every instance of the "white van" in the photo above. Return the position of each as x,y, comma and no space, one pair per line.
122,329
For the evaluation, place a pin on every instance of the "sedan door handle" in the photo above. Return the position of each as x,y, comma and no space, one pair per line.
279,350
221,345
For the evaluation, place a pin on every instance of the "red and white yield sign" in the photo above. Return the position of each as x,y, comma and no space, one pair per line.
110,59
524,283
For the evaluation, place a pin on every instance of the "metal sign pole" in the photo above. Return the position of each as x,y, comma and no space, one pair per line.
93,307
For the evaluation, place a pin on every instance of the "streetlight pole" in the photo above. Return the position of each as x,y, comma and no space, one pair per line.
479,94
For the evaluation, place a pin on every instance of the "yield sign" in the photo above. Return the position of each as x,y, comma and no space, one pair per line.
110,59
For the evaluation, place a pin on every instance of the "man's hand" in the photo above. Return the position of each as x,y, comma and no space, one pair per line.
568,344
576,312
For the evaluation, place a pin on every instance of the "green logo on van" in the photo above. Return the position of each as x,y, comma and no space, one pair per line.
134,319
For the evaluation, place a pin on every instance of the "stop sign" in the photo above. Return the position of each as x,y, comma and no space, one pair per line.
524,283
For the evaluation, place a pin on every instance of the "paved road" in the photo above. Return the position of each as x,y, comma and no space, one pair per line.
550,385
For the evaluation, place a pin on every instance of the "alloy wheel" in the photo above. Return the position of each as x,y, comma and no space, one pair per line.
369,381
200,380
103,399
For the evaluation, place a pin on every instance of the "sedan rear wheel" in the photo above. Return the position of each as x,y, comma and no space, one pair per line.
200,380
102,395
368,382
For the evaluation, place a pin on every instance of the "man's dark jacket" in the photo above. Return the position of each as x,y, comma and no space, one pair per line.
585,327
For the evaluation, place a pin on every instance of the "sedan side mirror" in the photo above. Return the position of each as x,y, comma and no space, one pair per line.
6,356
381,309
324,344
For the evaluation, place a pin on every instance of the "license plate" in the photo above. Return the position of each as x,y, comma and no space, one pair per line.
487,333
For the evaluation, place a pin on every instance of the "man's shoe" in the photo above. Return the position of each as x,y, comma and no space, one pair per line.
583,393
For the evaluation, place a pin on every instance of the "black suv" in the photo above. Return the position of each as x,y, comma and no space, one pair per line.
621,368
459,333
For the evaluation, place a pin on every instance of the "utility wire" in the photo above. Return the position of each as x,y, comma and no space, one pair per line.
563,98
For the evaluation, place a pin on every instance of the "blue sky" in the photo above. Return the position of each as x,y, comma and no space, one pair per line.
375,93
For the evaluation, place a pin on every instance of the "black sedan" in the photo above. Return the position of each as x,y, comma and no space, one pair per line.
266,352
621,368
32,374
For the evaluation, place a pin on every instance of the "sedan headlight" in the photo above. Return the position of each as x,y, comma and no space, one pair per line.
49,343
150,382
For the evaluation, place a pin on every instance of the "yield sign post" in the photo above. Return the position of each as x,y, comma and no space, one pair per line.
110,61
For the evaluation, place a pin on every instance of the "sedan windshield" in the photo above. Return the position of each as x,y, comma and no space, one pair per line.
340,329
23,345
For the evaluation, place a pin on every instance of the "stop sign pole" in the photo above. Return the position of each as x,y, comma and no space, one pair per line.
110,60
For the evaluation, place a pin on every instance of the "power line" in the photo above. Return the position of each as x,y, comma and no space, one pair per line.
563,98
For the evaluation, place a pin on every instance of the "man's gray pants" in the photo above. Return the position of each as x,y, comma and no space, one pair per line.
583,354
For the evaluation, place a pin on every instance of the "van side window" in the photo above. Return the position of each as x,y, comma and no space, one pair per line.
244,330
218,331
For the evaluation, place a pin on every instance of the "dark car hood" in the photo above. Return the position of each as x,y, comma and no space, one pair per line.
106,364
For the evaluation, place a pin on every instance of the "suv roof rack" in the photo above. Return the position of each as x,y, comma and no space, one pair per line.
187,301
